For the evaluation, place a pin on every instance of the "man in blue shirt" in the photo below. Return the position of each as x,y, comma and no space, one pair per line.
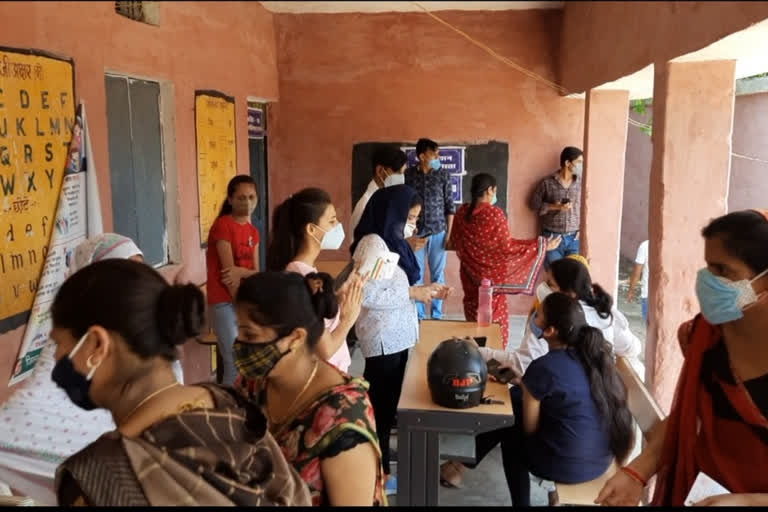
436,219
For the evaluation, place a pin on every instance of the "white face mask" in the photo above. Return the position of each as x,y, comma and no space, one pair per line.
409,230
394,179
333,238
543,291
577,168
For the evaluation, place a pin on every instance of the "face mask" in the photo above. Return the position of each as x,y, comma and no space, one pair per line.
543,291
535,329
75,384
394,179
409,230
333,238
494,200
434,164
577,168
256,360
722,300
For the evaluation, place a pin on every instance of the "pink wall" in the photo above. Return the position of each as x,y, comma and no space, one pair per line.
603,41
748,186
401,76
188,49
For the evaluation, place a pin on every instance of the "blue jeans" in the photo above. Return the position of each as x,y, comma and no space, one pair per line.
225,328
434,252
645,310
569,245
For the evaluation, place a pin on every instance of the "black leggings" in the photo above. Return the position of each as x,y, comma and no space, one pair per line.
513,456
385,374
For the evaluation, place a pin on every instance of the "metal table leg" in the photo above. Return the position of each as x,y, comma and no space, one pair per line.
418,450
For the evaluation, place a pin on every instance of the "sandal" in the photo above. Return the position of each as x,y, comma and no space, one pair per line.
450,475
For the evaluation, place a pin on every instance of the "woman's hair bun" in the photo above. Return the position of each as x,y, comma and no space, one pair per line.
323,296
180,313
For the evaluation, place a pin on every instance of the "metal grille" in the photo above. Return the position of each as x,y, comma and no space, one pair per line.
130,9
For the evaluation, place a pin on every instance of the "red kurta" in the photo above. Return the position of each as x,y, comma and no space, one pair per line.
487,250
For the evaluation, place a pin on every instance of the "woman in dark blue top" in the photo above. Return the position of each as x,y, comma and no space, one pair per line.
574,412
573,416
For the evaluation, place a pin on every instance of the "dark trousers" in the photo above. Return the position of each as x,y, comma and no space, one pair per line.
513,455
385,374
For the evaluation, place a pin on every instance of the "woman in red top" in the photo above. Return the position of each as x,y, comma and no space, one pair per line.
486,250
232,255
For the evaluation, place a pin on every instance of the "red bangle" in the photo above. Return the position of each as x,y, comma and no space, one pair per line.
635,475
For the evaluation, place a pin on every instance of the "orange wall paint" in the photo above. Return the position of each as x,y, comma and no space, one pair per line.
228,46
349,78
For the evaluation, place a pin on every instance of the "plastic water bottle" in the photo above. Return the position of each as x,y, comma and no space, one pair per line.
485,303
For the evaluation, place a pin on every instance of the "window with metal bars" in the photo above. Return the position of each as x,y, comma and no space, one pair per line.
143,11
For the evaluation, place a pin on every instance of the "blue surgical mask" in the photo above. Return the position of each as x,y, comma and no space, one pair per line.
721,300
494,200
434,164
535,329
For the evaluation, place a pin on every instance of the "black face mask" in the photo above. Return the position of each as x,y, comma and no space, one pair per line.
75,384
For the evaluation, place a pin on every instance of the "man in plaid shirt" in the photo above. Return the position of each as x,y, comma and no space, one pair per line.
557,200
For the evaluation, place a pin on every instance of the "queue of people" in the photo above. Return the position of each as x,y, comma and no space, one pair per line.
289,425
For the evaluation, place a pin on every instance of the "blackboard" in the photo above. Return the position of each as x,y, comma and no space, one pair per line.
491,157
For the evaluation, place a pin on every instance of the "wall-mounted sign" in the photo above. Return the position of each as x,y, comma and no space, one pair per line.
256,128
451,161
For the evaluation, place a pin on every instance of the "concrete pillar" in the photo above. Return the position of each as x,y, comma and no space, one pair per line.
605,144
693,106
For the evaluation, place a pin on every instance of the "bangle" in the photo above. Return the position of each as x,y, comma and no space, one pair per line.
635,475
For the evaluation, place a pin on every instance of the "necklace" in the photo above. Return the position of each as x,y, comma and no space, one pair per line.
295,400
148,398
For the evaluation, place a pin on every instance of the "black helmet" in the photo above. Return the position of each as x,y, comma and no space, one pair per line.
457,373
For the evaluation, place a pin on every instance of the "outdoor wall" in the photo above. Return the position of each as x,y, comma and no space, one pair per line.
604,41
197,45
748,186
349,78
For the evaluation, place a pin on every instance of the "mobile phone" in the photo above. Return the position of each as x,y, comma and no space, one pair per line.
424,235
503,375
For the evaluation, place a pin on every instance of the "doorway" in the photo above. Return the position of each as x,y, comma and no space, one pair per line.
257,154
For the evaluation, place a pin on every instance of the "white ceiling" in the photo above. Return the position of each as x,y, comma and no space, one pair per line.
404,6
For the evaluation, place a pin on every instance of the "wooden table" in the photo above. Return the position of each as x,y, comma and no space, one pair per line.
422,423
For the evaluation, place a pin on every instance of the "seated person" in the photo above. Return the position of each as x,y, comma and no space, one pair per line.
174,444
573,416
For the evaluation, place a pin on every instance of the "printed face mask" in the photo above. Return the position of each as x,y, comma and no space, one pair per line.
333,238
721,300
257,360
75,384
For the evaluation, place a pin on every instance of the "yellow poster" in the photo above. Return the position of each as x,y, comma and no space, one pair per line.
37,116
216,154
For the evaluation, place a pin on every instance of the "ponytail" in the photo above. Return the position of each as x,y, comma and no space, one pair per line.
596,356
480,183
290,219
573,276
608,389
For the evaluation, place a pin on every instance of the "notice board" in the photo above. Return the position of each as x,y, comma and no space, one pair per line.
461,160
216,154
37,119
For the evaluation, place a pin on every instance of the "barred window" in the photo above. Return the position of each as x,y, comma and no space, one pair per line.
143,11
